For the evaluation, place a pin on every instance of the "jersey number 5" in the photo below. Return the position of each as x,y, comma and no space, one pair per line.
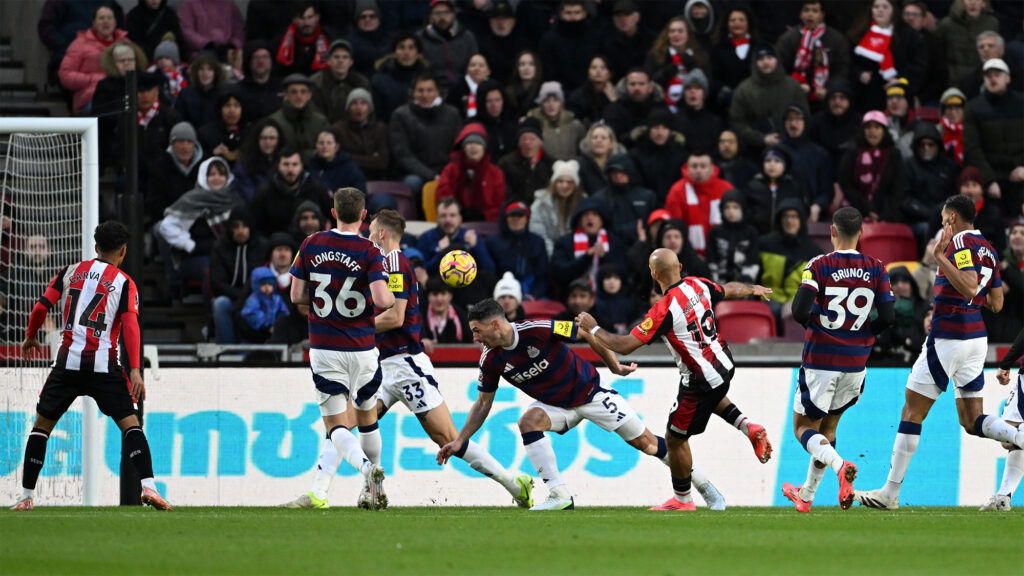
858,302
345,295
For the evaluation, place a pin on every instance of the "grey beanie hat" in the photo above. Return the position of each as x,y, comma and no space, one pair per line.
359,94
167,49
183,131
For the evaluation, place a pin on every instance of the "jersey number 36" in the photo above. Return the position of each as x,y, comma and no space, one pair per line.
323,304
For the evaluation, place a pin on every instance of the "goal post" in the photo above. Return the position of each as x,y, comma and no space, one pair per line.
27,173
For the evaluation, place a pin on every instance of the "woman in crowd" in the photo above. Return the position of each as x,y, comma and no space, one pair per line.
497,118
885,49
871,174
525,83
465,95
675,53
81,69
731,55
256,162
553,206
589,100
596,148
334,167
197,103
223,137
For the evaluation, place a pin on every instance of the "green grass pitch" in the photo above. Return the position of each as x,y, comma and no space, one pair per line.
489,541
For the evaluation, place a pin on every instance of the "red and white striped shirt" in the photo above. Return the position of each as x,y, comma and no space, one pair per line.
685,320
94,297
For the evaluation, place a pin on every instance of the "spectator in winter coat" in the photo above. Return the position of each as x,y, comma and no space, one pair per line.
675,53
931,178
447,45
154,123
885,49
304,46
696,121
903,340
834,127
235,255
638,255
760,102
223,136
465,94
872,175
524,85
734,166
519,252
508,293
994,137
672,235
989,218
567,47
659,154
449,232
298,118
393,79
335,83
175,172
205,23
901,118
991,45
814,52
614,303
262,92
957,33
307,220
951,125
471,177
810,162
333,167
638,96
731,56
262,308
149,22
501,40
553,207
785,253
197,103
166,61
257,159
589,101
370,41
625,201
193,224
443,321
277,198
116,60
626,44
560,129
61,21
770,187
596,148
528,167
580,252
733,249
364,137
421,134
580,298
497,118
694,199
81,69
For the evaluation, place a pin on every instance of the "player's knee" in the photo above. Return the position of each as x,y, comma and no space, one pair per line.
531,421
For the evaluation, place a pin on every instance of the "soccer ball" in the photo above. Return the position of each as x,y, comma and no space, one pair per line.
458,269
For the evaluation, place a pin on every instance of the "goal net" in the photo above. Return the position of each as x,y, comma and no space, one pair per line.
49,190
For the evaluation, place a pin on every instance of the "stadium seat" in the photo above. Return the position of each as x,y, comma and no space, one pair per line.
429,201
820,233
740,320
483,229
398,190
888,242
542,308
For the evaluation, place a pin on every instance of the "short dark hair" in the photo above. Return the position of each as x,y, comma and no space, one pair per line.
349,203
110,236
963,206
449,201
848,221
391,220
819,2
425,78
299,7
485,310
402,37
289,151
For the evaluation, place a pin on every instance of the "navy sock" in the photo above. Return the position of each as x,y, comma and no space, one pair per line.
531,437
662,448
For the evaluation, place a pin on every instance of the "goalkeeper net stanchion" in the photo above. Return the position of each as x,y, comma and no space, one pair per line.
49,195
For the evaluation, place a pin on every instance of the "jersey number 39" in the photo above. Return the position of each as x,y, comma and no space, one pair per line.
857,301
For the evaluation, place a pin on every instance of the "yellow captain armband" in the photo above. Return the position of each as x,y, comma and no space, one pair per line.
396,282
963,259
563,328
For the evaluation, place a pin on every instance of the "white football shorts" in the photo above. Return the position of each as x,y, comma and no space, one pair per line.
409,379
825,392
942,361
339,375
606,408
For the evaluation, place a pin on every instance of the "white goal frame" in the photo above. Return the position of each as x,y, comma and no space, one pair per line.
88,130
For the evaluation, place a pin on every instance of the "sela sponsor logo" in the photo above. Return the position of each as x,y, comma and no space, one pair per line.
534,371
335,256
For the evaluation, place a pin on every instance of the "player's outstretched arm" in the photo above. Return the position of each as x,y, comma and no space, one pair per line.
477,414
382,297
737,290
622,344
607,356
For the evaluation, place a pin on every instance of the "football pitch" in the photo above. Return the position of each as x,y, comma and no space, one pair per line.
485,541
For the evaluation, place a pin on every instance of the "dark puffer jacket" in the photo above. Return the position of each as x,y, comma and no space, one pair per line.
422,138
232,263
733,249
994,134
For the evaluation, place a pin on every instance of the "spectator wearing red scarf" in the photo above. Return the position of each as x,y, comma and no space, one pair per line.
304,46
952,123
815,52
471,178
871,174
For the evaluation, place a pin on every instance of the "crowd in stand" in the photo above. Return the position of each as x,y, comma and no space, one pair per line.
586,133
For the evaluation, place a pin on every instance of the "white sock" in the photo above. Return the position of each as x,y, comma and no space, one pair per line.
369,440
326,467
28,493
1012,472
542,456
902,451
148,483
814,476
998,429
698,479
819,448
348,447
482,461
741,425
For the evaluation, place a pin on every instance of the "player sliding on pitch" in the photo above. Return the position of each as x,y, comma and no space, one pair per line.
408,376
96,299
533,357
835,299
684,318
